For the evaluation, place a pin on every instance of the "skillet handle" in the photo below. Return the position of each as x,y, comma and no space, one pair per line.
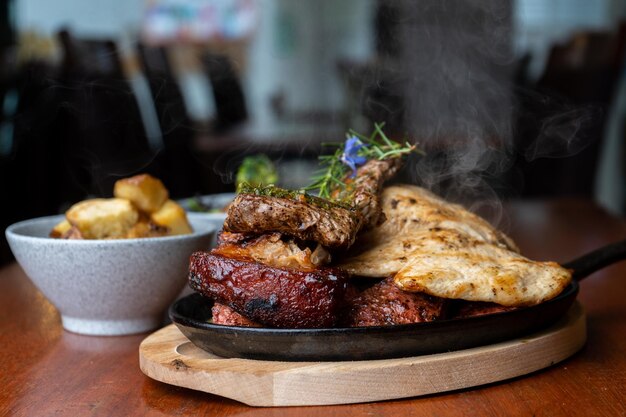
585,265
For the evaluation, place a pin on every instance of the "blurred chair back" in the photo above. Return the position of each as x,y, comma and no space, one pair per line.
89,57
103,128
176,165
227,91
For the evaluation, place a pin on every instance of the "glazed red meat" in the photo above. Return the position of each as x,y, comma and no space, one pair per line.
385,304
222,314
275,297
477,308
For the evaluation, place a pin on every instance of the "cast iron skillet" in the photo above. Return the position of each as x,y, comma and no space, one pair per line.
191,315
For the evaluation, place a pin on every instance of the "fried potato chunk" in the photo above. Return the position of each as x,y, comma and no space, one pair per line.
60,229
144,191
103,218
65,230
172,216
146,228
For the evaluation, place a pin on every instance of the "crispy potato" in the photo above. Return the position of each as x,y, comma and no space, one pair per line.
144,191
72,233
146,228
103,218
172,216
60,229
141,209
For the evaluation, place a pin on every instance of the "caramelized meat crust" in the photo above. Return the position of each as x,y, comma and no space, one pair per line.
274,297
368,185
271,249
477,308
385,304
224,315
331,226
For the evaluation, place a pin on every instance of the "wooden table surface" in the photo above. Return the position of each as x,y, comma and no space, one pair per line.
46,371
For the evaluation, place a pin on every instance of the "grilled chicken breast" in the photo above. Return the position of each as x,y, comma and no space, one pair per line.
441,249
475,270
412,214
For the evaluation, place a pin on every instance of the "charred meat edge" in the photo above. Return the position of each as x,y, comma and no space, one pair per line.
332,227
275,297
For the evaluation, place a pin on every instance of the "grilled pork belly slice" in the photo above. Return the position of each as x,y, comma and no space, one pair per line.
385,304
475,270
313,219
274,297
271,249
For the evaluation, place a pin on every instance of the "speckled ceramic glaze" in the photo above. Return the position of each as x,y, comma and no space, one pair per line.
107,287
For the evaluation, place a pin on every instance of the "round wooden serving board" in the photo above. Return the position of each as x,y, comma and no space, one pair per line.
170,357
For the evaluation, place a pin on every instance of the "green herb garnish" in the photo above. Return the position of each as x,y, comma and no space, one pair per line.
300,195
256,170
330,180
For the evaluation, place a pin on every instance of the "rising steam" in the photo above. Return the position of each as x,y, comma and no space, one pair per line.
459,106
460,103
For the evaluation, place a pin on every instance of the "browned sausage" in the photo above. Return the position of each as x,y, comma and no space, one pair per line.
275,297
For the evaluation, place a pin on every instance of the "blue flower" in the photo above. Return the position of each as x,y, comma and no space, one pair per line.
350,155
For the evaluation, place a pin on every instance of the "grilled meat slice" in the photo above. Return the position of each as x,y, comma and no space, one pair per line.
385,304
412,214
441,249
412,208
307,219
330,226
368,184
271,249
390,256
477,308
275,297
475,270
224,315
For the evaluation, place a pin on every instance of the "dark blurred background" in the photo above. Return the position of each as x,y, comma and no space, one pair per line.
510,99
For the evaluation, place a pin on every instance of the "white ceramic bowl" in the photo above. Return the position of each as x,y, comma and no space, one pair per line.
107,287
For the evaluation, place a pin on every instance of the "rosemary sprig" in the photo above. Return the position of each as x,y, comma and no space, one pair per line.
381,147
329,180
330,176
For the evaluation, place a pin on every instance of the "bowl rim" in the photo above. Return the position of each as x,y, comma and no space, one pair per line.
229,196
12,231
